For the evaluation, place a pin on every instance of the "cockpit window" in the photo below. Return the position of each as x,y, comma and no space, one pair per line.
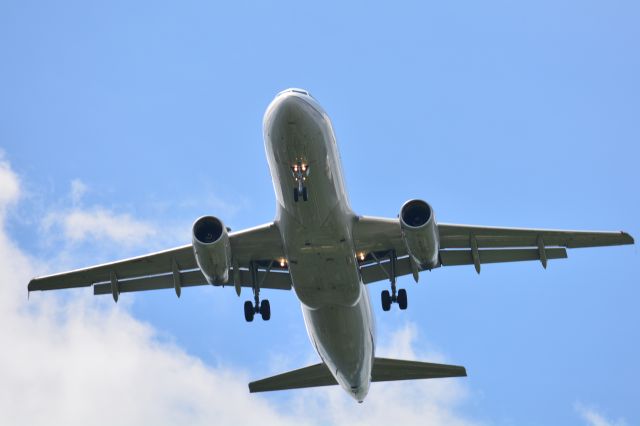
301,91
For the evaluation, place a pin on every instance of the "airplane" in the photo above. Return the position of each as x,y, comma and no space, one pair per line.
327,254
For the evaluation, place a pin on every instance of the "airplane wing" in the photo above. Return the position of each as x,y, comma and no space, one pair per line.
470,245
177,267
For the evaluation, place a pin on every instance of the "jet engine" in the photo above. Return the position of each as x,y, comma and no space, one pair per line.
420,233
212,249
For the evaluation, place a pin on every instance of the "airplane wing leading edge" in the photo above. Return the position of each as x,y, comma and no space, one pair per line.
471,245
177,268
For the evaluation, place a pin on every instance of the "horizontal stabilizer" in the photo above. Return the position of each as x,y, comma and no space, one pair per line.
307,377
384,370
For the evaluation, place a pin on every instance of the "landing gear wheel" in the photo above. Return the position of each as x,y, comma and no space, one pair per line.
402,299
296,194
265,310
249,311
385,298
304,193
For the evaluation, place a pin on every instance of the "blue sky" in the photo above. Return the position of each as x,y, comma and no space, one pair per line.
145,116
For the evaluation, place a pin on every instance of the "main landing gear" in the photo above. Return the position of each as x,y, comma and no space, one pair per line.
399,296
300,172
388,299
257,307
263,308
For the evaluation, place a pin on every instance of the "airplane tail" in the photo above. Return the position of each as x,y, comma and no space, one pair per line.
384,370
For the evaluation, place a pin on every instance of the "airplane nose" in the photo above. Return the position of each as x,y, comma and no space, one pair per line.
292,124
291,107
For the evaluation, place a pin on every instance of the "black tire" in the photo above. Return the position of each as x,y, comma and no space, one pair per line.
304,193
295,194
402,299
249,312
385,298
265,310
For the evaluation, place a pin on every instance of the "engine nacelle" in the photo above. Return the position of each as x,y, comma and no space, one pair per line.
420,233
212,249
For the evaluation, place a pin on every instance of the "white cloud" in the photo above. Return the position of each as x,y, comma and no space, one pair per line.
83,360
9,185
81,224
97,223
594,418
78,189
86,362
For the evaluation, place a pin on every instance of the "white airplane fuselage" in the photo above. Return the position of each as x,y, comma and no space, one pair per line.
316,231
317,238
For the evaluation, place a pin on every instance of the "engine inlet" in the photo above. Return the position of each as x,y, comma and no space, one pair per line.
207,229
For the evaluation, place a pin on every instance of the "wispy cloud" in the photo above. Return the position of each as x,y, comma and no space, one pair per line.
77,224
9,185
97,223
594,418
82,360
78,189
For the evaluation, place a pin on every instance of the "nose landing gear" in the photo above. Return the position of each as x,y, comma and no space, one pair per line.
297,192
300,172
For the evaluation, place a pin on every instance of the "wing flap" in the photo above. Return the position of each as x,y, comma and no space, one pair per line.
273,280
373,272
464,257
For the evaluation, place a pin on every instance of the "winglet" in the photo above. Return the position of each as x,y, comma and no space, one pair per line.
32,285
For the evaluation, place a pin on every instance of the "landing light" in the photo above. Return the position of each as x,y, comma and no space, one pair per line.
283,262
361,255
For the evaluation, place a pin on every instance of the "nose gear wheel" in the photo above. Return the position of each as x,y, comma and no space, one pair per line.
300,171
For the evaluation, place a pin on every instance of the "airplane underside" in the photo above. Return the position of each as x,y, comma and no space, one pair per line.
318,247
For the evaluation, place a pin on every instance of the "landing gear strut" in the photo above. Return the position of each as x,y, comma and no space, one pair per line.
396,296
263,308
300,172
